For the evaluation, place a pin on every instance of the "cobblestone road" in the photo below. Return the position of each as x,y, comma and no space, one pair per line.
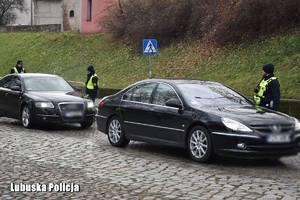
66,155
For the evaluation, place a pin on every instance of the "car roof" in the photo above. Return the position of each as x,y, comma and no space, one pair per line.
178,81
40,75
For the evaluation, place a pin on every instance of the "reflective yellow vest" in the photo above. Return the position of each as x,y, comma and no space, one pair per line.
16,70
262,88
90,84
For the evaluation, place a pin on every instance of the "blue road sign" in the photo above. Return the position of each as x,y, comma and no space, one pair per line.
149,46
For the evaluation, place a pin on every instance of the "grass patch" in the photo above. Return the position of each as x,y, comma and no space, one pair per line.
69,53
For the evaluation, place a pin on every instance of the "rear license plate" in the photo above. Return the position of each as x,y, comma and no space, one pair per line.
73,114
278,138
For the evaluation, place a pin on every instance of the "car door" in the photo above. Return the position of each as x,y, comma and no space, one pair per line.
4,88
135,106
13,97
169,123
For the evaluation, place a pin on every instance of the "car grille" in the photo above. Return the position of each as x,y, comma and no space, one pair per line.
276,128
71,111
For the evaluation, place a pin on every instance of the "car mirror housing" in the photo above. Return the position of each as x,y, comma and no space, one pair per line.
78,89
174,103
16,88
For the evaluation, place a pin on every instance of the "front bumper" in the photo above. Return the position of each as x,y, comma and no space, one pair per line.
56,116
251,146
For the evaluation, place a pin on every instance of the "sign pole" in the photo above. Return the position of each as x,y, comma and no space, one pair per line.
150,67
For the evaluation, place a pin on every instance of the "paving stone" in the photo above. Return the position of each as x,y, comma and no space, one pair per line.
69,154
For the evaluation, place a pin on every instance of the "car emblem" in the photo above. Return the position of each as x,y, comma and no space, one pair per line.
275,128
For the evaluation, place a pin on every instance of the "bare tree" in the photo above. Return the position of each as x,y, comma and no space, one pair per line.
8,10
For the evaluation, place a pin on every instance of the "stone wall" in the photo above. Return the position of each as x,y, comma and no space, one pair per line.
31,28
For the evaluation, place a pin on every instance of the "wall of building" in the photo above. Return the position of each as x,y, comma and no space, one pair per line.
71,15
99,10
24,18
48,12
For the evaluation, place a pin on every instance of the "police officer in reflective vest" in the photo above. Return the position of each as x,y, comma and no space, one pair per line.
267,92
91,84
18,68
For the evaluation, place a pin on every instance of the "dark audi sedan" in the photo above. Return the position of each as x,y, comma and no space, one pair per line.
207,118
43,98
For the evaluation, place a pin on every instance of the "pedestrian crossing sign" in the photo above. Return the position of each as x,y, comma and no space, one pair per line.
149,46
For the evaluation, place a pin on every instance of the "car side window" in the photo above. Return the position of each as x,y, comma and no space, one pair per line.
15,82
5,82
141,93
164,93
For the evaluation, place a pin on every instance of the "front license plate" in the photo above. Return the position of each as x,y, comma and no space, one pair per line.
72,114
278,138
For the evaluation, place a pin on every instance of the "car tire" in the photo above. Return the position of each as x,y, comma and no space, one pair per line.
200,145
86,124
116,134
26,117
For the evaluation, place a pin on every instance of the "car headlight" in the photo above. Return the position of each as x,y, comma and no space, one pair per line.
297,125
44,105
235,125
90,104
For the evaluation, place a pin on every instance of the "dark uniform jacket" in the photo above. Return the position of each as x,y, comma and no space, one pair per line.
272,93
19,69
92,93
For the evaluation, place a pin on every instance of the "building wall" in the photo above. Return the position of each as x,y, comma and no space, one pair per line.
71,15
48,12
99,9
24,18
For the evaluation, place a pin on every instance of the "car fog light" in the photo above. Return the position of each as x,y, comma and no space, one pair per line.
241,145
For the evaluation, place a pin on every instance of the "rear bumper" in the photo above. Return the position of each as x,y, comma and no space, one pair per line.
101,123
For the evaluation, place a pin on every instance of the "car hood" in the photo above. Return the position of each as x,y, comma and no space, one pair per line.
56,96
249,114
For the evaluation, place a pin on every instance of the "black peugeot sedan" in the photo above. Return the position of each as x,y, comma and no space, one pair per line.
43,98
206,118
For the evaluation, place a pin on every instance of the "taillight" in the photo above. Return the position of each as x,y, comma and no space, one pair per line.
100,104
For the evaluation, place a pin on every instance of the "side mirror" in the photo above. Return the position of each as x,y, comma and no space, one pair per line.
16,88
174,103
78,89
251,100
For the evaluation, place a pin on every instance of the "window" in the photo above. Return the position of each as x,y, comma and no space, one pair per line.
210,94
72,13
15,82
141,93
47,84
5,82
89,10
163,94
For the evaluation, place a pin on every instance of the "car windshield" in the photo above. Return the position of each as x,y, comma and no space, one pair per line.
47,84
210,94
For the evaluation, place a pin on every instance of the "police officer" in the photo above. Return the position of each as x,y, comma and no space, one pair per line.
91,84
18,68
267,92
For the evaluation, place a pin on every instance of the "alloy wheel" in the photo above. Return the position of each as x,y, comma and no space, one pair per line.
198,144
25,116
115,131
